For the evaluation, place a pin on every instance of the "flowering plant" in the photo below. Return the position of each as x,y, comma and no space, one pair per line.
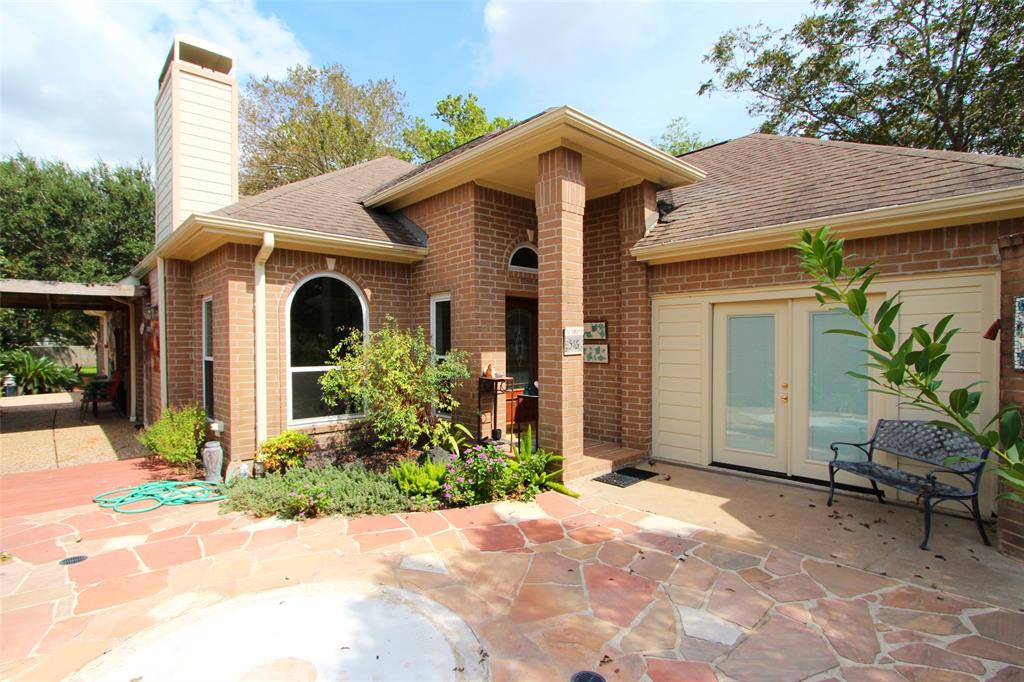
479,475
307,500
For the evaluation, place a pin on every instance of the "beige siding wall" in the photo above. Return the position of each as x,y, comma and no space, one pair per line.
164,156
205,164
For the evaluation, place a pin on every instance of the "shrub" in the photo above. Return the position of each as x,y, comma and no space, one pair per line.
533,471
419,481
285,450
395,379
177,436
37,375
302,493
479,475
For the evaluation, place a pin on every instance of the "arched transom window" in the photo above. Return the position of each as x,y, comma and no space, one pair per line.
524,258
322,310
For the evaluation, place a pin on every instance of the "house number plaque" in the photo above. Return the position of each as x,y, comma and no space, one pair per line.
573,338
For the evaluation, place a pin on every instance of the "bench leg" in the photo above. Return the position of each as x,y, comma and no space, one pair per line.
976,509
878,493
831,485
927,521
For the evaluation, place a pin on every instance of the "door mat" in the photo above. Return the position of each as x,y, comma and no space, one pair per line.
623,478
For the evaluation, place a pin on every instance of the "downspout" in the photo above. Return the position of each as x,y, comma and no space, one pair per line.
133,361
260,310
161,303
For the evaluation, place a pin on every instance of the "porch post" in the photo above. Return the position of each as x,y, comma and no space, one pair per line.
560,198
638,206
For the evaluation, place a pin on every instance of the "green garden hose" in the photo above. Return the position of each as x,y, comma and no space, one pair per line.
159,493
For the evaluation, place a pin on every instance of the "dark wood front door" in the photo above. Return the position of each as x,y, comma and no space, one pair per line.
520,349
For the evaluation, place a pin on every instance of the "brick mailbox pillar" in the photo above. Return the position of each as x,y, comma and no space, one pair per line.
1011,251
560,198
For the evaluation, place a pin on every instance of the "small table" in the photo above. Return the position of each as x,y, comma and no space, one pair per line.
492,386
91,393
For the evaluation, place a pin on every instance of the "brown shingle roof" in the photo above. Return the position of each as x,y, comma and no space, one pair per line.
329,203
761,180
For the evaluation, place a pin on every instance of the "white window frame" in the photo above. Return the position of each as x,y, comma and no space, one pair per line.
435,299
289,370
204,350
519,268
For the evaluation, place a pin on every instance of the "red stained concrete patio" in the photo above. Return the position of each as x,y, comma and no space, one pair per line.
548,588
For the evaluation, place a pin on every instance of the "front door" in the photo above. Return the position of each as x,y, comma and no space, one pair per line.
750,371
781,389
521,359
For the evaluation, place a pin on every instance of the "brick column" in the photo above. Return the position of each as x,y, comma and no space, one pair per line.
560,199
1011,514
637,205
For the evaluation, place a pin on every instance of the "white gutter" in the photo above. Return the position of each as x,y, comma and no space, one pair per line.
132,369
260,310
161,302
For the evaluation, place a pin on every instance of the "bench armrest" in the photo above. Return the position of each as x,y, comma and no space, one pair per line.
867,448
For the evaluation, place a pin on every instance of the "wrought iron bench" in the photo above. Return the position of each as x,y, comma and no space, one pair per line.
924,442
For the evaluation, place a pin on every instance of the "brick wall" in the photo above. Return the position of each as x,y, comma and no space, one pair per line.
963,247
472,232
1011,514
602,302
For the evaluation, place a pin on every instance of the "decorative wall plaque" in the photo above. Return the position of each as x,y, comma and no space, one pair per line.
595,330
596,352
573,341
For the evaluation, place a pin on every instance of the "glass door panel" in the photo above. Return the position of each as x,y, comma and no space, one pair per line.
750,384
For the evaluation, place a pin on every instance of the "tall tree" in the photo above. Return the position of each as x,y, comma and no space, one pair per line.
313,121
466,120
679,139
939,74
57,223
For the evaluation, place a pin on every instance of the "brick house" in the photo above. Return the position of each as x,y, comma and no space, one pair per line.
716,355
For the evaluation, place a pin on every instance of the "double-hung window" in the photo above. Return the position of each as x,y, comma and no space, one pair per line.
208,356
441,329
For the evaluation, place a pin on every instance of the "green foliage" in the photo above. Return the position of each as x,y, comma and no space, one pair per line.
447,435
57,223
177,436
302,493
314,121
535,469
909,370
937,74
286,450
396,380
37,375
678,139
466,120
419,481
478,475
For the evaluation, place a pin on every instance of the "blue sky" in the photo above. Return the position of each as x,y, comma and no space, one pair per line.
78,77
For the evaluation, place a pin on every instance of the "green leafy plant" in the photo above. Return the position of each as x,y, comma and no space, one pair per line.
419,481
37,375
477,475
535,469
177,436
285,450
448,435
303,492
909,370
395,379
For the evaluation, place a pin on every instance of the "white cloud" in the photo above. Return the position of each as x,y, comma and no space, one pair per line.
633,64
78,78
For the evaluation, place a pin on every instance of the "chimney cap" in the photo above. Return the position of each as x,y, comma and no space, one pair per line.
200,52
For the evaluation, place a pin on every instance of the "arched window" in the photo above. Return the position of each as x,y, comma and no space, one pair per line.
524,259
322,310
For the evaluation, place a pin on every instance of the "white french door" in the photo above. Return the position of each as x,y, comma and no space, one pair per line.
751,379
780,389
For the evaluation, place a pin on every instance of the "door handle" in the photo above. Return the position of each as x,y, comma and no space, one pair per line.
784,397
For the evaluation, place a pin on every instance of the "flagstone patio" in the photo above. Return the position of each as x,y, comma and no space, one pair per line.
548,589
